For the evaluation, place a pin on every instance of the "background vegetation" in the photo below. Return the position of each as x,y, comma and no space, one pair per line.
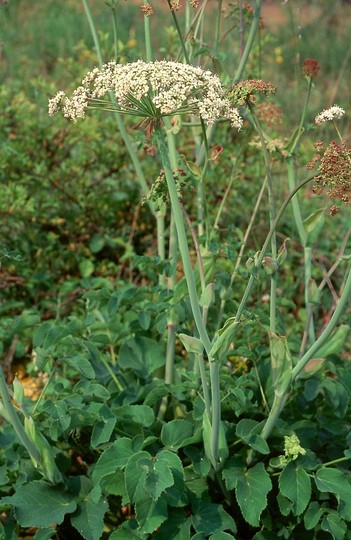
79,272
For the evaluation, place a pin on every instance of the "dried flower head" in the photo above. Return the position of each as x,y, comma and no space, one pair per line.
334,173
310,68
147,9
244,92
269,114
150,90
333,113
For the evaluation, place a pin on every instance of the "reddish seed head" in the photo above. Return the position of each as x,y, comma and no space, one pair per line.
310,68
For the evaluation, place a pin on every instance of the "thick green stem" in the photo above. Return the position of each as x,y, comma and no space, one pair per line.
194,301
12,417
182,239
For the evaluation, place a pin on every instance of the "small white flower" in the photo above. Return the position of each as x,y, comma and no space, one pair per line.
150,89
333,113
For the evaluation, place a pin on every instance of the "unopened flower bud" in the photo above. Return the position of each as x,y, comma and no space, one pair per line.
270,265
312,292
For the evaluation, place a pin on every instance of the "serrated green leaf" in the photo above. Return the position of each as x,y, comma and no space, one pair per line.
159,477
332,524
135,475
312,515
209,518
102,431
38,504
88,518
82,365
295,484
143,415
113,458
128,531
144,320
150,514
251,493
334,481
175,433
233,470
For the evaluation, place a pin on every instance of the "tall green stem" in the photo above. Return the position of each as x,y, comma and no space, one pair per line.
194,302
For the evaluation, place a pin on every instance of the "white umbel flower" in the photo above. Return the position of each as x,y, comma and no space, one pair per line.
150,90
333,113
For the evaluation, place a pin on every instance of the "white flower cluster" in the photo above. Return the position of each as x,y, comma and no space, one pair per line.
333,113
150,89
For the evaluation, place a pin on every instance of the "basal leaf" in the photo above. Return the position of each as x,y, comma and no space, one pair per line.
334,481
135,475
38,504
159,478
295,484
312,515
251,493
113,458
102,431
88,518
175,433
332,524
143,415
150,514
209,518
233,470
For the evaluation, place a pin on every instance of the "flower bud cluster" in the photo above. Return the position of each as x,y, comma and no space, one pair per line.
150,90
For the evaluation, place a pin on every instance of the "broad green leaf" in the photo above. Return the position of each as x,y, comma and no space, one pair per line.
332,524
199,461
88,518
175,433
285,504
135,475
334,481
247,431
176,527
142,355
233,470
209,518
143,415
102,431
113,458
150,514
337,482
128,531
38,504
251,493
312,515
159,476
81,364
295,484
